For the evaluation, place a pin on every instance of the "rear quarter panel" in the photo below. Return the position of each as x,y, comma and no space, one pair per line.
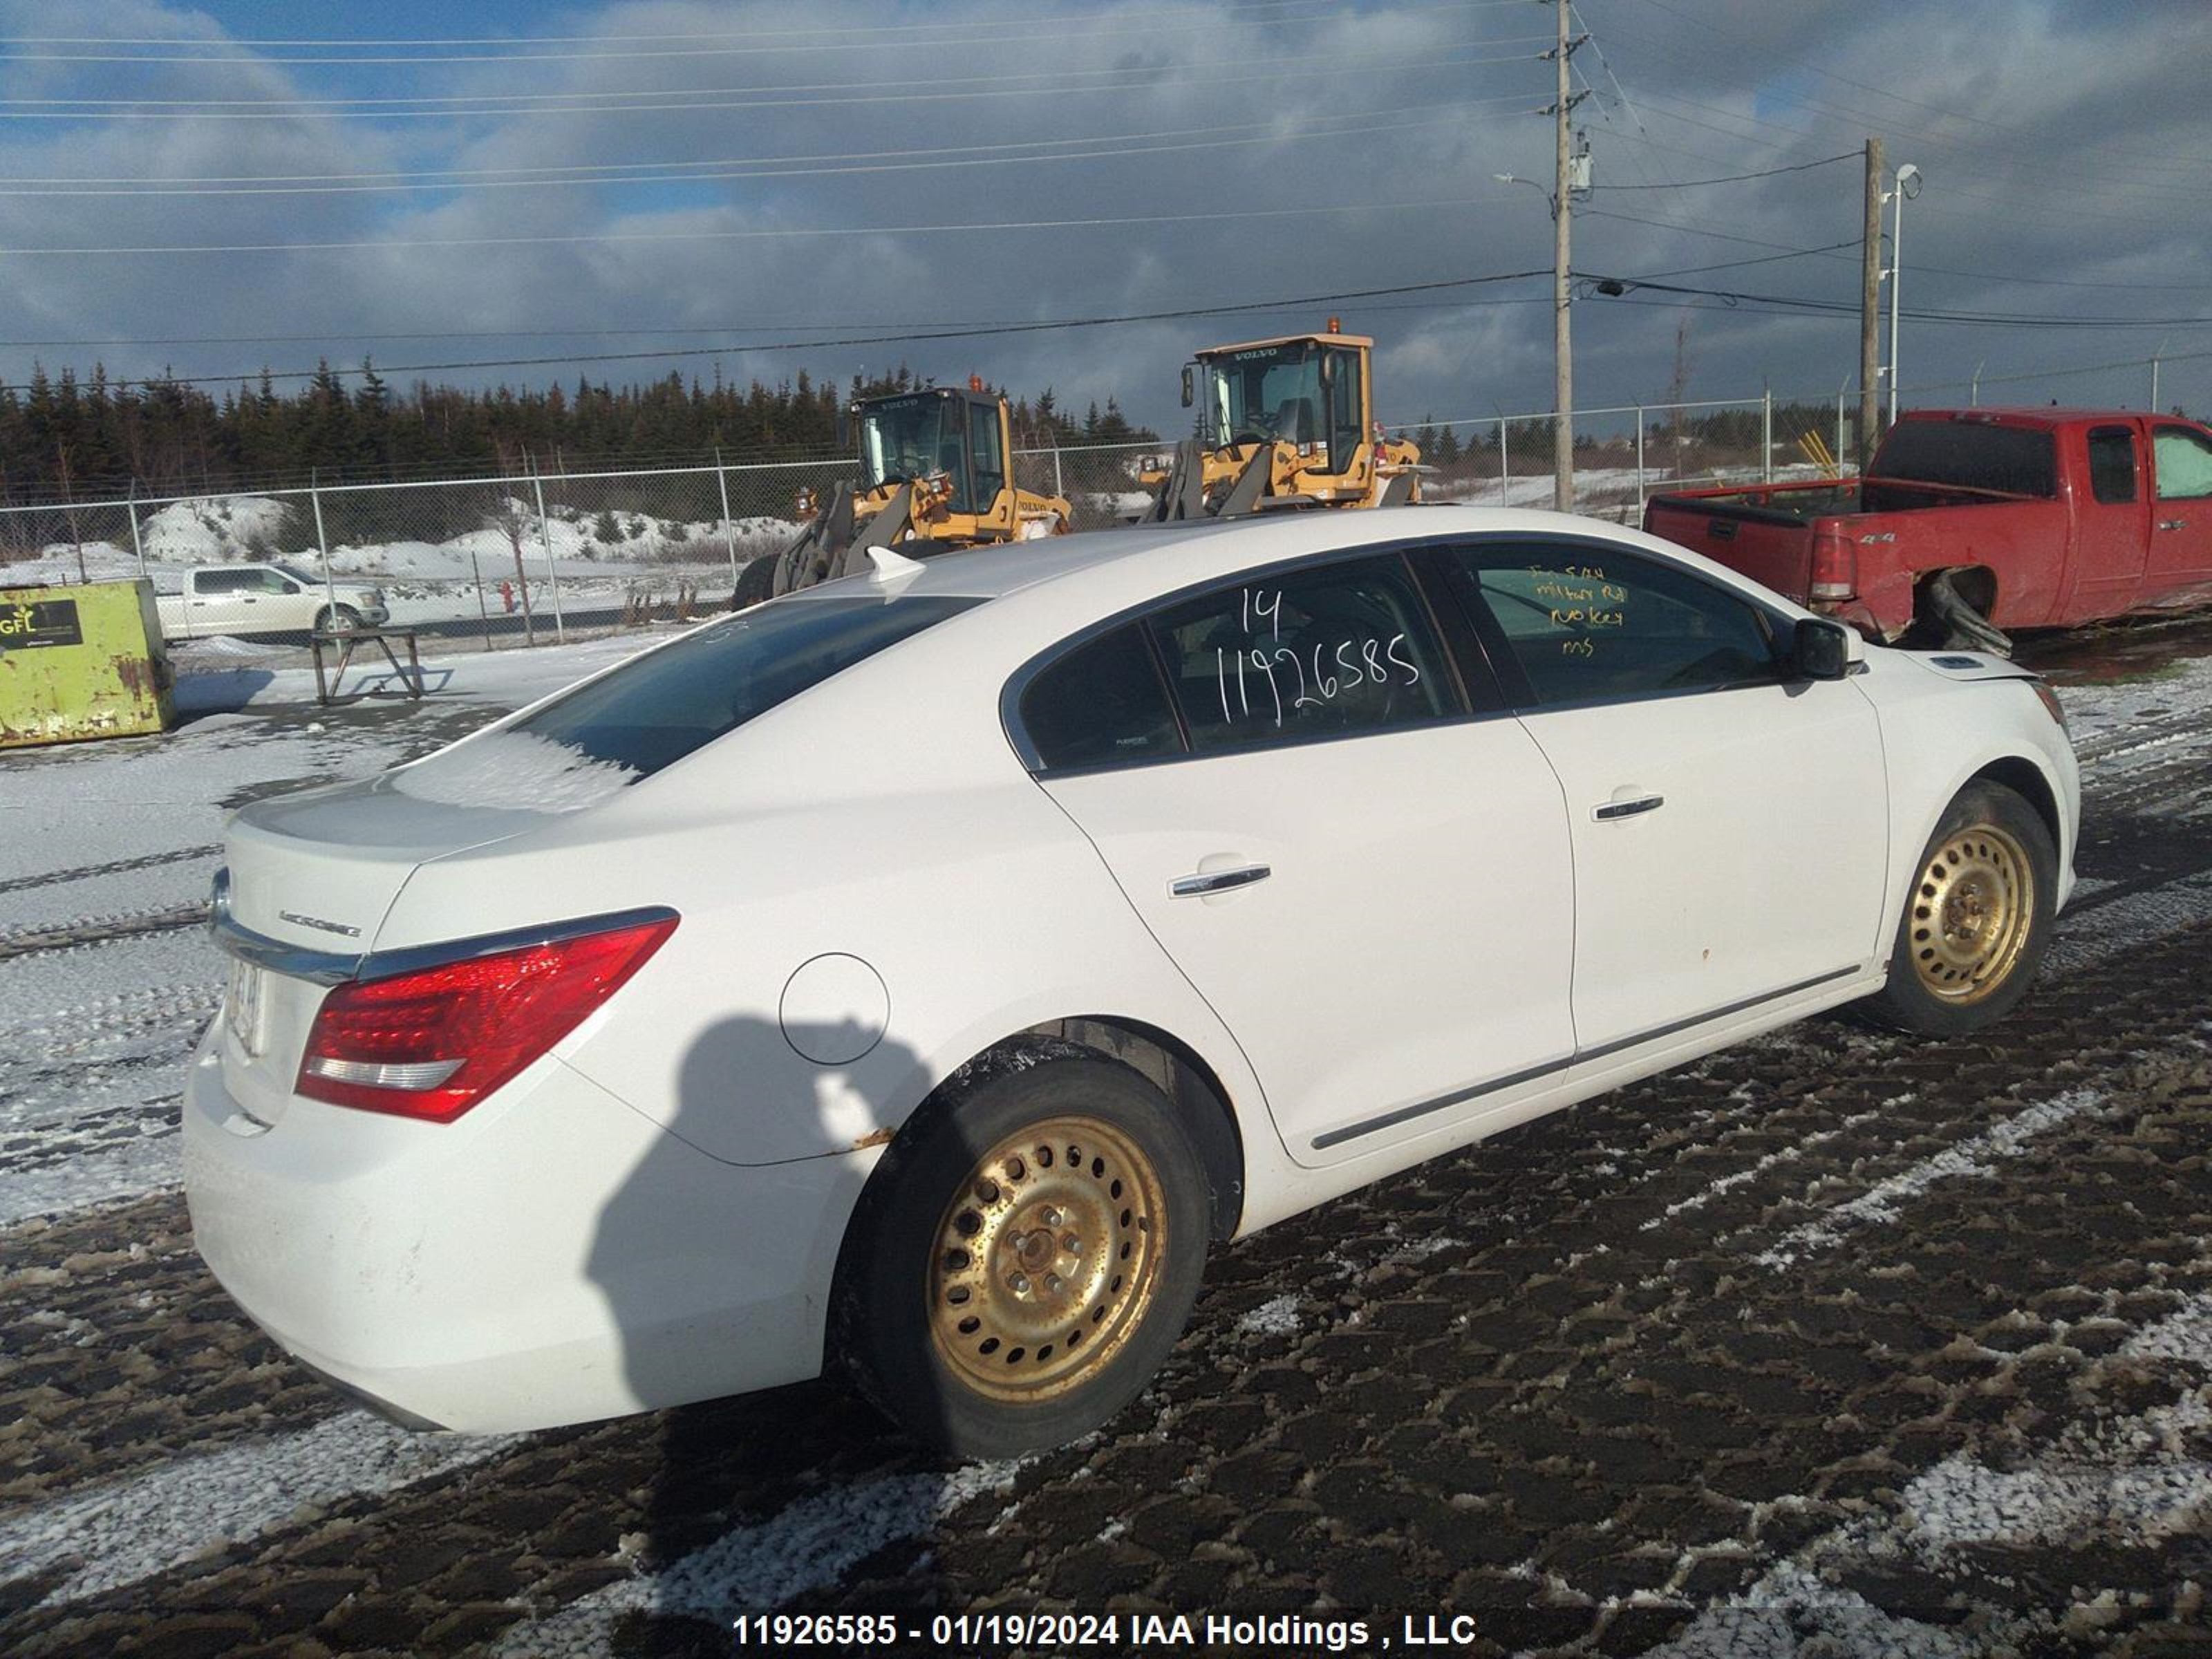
859,821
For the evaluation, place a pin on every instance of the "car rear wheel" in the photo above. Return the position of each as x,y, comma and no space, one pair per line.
1025,1256
1976,920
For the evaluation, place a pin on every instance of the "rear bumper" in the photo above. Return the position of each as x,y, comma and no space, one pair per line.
552,1257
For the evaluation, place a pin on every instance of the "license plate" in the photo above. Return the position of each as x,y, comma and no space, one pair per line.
241,1007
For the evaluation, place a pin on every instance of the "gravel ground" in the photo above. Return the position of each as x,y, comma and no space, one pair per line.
1832,1344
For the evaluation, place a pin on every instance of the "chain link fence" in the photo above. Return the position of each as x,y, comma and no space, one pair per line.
529,557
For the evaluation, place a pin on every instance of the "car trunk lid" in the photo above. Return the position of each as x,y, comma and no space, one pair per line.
309,880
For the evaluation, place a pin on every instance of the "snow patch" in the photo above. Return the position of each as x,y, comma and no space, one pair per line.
1884,1202
809,1545
119,1533
1277,1318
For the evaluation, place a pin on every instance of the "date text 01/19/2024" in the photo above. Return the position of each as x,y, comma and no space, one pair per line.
1073,1631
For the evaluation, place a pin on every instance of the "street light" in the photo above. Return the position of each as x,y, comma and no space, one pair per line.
1908,187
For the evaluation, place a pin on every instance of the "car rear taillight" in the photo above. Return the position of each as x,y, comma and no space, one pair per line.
1835,572
431,1043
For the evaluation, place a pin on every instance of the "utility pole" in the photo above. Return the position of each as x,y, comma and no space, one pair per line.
1870,307
1563,352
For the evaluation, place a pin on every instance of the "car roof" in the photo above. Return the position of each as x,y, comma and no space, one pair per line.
1143,560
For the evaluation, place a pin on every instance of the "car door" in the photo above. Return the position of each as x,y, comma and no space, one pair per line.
1729,822
2180,563
213,602
2111,526
1367,878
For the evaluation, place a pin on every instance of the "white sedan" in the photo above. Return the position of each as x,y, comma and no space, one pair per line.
916,974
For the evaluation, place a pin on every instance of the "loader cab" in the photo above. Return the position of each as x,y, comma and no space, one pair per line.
1308,390
959,436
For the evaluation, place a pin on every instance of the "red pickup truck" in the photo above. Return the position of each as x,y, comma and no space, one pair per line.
1974,521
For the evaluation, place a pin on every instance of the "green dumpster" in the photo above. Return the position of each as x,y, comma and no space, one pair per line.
82,662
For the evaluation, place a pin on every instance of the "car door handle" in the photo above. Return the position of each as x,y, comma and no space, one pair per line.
1199,884
1607,811
2173,524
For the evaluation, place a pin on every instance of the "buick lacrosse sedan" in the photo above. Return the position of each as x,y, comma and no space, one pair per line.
918,974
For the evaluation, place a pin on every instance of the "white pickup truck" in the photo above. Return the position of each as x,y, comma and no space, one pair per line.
264,598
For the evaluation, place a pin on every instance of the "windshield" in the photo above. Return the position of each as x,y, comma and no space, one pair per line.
904,438
659,707
1263,393
299,576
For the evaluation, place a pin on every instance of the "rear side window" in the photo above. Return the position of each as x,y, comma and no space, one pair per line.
1972,454
2184,464
1100,705
654,711
223,582
1331,651
1590,624
2113,464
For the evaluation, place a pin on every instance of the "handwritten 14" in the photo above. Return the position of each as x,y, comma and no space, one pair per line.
1372,661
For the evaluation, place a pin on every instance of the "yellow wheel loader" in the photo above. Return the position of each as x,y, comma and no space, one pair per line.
1284,422
936,474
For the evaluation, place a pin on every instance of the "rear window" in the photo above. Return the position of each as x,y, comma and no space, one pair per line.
651,713
1972,455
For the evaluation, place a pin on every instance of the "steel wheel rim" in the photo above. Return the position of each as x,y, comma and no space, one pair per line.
1971,914
1047,1260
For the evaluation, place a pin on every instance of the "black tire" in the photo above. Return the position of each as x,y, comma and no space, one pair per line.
1951,980
936,1336
756,582
337,619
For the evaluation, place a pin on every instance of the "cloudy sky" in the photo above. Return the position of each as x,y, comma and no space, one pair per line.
234,185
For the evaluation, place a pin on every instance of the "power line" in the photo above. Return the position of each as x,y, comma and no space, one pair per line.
680,99
977,35
762,233
1001,329
601,179
837,29
1733,177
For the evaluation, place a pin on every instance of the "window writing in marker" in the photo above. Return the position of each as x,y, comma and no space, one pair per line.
1273,679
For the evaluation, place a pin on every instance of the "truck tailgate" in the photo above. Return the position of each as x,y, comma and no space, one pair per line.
1770,548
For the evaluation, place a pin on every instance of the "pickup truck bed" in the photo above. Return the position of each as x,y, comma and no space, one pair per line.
2035,518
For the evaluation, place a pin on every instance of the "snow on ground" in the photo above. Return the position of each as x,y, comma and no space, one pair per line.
810,1545
118,1534
1884,1202
2126,1481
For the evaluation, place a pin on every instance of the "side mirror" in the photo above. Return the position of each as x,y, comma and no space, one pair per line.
1329,371
1822,649
1189,387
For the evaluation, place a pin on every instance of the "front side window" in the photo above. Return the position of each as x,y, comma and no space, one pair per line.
1103,704
659,707
1334,650
989,464
1345,430
1587,624
2183,461
2113,464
